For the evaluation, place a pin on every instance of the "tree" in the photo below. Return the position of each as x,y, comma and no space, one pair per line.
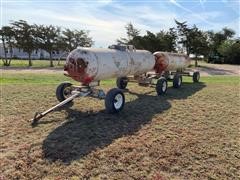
7,37
193,39
183,34
167,40
150,42
132,33
216,39
25,39
230,50
48,38
198,43
164,40
70,40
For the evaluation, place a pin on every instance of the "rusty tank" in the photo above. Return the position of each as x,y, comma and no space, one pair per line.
93,64
167,61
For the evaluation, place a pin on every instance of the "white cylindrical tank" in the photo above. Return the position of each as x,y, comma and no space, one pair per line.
166,61
92,64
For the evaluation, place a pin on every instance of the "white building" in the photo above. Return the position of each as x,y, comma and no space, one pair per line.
37,54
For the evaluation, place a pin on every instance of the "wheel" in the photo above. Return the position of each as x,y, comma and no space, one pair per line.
114,101
63,91
196,76
122,82
177,81
161,86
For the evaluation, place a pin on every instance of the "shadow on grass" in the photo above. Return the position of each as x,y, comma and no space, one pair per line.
85,133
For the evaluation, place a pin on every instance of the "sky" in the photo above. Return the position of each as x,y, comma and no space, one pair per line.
106,19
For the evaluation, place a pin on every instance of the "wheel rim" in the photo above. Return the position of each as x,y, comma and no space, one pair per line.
118,101
164,86
198,77
67,92
179,81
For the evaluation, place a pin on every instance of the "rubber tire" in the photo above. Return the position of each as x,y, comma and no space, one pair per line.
196,77
176,79
159,86
60,90
109,101
122,82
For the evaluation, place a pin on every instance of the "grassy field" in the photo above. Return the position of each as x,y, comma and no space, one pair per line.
19,63
190,133
36,63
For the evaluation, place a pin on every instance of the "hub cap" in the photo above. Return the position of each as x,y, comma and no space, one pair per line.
179,81
67,92
118,101
164,86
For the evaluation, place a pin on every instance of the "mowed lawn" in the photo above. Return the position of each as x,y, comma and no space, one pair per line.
20,63
189,133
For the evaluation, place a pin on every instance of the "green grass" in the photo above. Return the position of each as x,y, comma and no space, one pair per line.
36,63
29,78
189,133
41,79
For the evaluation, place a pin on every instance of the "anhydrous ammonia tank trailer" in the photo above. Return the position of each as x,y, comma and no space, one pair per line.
90,65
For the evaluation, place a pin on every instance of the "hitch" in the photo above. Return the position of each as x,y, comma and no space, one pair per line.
66,92
39,115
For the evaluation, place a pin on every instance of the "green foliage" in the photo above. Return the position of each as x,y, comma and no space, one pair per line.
32,37
195,41
163,40
70,40
192,39
230,50
132,33
25,39
48,39
8,40
216,40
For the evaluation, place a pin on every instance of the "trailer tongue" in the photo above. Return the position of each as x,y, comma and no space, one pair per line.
39,115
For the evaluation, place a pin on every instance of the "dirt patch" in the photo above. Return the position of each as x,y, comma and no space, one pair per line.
217,69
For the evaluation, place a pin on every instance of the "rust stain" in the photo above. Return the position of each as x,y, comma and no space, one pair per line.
76,69
161,63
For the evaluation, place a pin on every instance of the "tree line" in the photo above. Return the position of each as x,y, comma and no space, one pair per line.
214,46
31,37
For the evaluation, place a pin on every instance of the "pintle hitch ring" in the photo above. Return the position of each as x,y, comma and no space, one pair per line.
36,118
